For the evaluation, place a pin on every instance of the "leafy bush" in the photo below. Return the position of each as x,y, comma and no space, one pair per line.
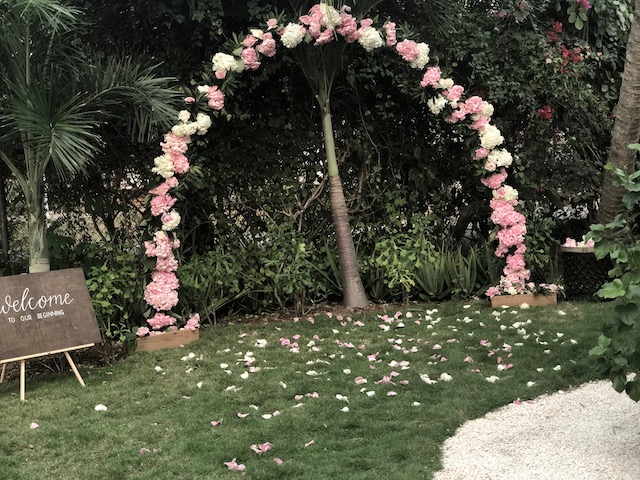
618,348
117,292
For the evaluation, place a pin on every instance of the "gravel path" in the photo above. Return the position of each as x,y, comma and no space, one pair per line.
591,433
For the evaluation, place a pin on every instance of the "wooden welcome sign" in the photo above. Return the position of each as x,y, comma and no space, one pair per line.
45,313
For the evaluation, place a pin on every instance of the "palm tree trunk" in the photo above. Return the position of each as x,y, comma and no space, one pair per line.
4,230
626,129
37,233
352,288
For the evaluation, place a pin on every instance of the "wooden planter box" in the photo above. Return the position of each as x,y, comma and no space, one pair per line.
166,340
530,299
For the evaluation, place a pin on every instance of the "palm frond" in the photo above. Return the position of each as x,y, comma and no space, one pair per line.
52,128
133,92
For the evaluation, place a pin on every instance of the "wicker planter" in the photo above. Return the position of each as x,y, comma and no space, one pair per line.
530,299
583,273
166,340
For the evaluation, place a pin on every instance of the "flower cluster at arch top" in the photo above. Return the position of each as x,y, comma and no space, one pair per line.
324,24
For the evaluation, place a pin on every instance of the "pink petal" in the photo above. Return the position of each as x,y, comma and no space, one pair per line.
265,447
232,465
215,424
144,451
33,425
298,397
468,359
278,461
404,382
360,380
391,394
255,448
417,322
437,346
242,415
443,359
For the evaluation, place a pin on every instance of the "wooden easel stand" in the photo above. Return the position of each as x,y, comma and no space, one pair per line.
22,361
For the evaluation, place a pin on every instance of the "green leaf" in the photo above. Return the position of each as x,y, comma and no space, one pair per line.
619,381
633,390
613,289
597,351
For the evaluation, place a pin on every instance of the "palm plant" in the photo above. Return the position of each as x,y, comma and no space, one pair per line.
57,95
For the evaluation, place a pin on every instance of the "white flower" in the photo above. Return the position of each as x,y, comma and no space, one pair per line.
260,343
446,83
292,35
184,116
370,39
423,56
223,62
330,16
436,104
487,109
490,137
502,157
203,88
256,32
506,193
163,166
173,222
184,129
203,122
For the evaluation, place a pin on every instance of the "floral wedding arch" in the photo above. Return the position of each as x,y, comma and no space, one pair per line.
322,25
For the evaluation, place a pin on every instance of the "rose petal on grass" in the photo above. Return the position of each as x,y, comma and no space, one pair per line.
309,443
345,409
278,461
144,451
242,415
33,425
233,465
215,423
100,408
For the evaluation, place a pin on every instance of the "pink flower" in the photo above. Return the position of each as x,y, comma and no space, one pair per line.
161,204
160,320
473,105
480,123
390,33
496,180
165,186
454,93
268,45
250,59
233,465
193,323
216,98
189,100
481,153
408,50
272,23
349,27
431,77
142,331
250,41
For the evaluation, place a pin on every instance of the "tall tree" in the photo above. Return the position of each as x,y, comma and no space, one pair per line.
58,95
626,129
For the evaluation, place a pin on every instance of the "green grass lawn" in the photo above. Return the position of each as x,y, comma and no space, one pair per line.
390,423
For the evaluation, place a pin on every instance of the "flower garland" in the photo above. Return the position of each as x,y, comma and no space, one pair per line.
324,24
